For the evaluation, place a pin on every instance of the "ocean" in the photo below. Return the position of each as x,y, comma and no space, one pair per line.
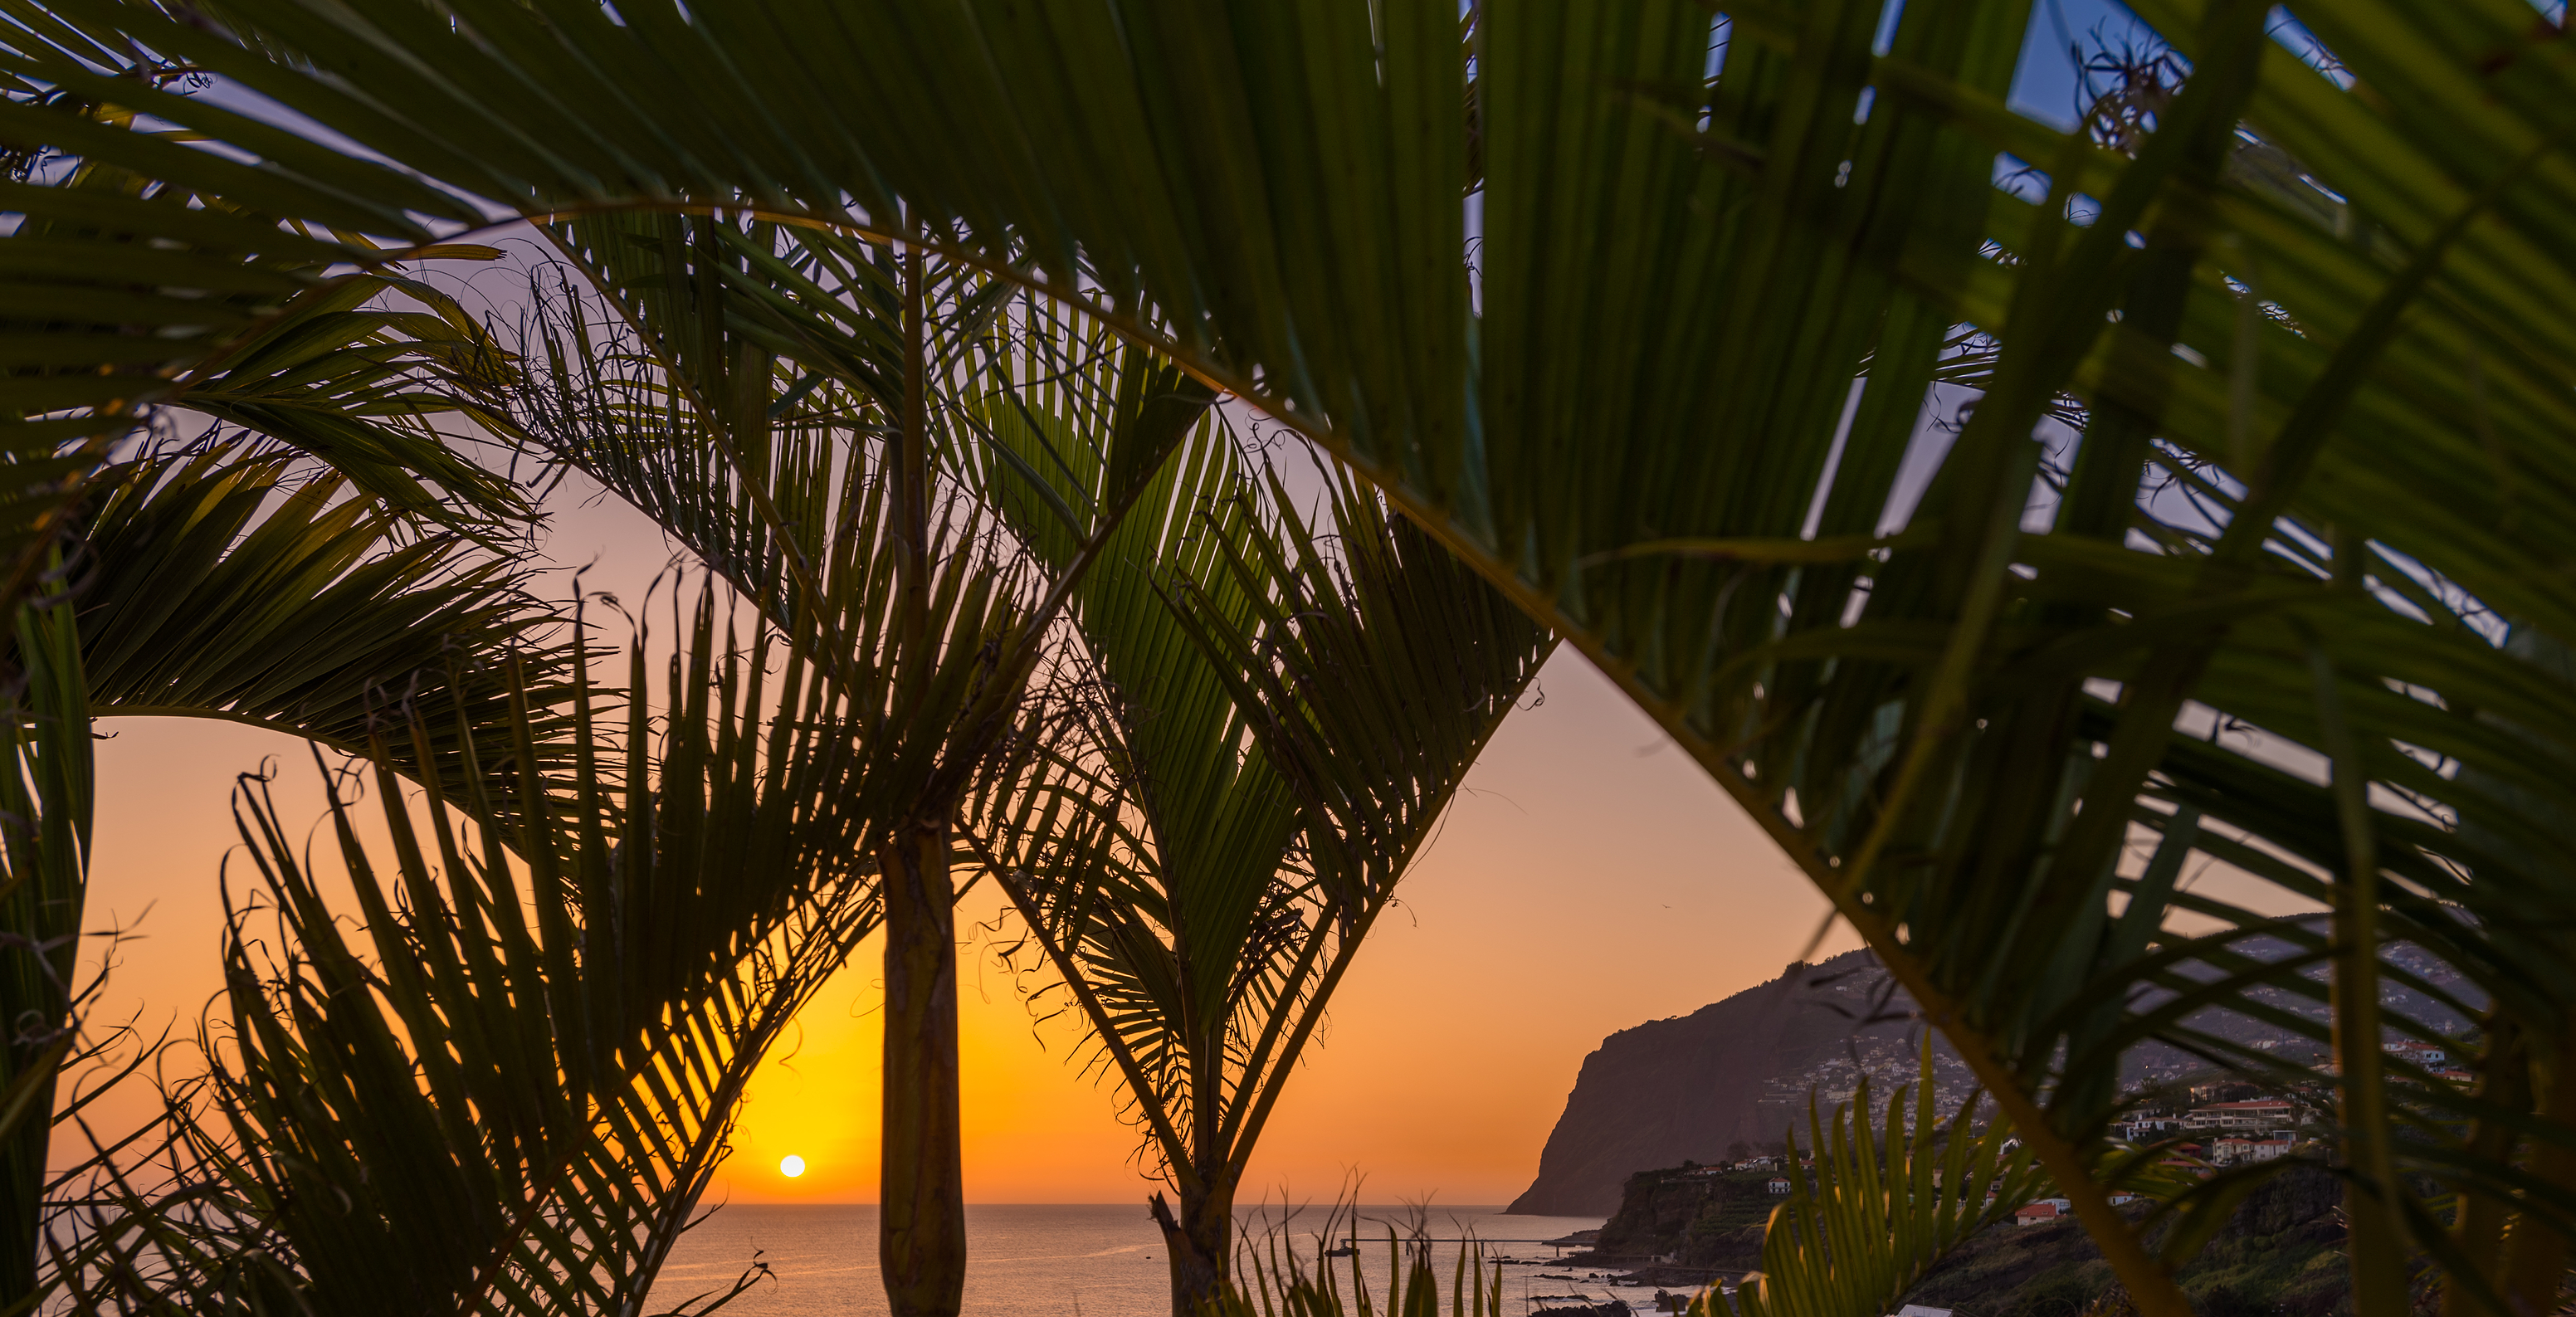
1084,1260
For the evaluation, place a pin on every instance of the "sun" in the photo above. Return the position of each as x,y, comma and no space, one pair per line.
791,1166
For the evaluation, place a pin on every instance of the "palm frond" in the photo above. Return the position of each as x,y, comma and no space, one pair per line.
1881,1206
2310,322
233,581
804,413
46,792
508,1095
377,377
1260,725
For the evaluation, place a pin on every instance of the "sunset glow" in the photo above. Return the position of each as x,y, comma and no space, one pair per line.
1582,839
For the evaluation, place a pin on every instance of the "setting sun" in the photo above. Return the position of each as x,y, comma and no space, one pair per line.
791,1166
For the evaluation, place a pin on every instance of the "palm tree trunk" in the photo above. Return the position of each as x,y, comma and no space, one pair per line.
1199,1241
921,1232
921,1223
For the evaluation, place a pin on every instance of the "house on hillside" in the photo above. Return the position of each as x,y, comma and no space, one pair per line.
2259,1114
2263,1148
2426,1055
2147,1127
1779,1184
2042,1212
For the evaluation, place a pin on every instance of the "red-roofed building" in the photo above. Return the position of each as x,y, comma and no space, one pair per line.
2427,1055
2042,1212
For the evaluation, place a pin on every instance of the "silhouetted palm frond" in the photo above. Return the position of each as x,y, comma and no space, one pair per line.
2311,320
508,1094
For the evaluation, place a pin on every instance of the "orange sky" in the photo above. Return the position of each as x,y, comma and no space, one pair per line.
1588,879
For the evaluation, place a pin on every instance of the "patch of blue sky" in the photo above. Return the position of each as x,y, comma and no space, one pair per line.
1888,15
2048,81
2294,37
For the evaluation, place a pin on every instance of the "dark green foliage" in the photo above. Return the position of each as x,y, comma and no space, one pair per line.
234,581
1263,717
2313,329
47,785
370,1139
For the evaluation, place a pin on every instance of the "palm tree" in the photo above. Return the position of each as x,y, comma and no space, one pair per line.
796,410
2310,325
1201,899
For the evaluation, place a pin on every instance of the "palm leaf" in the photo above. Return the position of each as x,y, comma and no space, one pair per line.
233,582
798,412
334,366
1720,260
509,1095
1883,1206
1250,743
46,791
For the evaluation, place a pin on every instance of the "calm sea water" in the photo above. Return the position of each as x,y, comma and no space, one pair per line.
1089,1260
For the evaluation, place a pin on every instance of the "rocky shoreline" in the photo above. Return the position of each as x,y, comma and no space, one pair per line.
1633,1269
1682,1228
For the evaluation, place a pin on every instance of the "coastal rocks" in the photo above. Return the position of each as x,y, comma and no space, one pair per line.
1611,1308
2277,1254
1693,1222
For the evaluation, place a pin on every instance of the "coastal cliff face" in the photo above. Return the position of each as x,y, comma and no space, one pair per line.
1691,1217
1688,1088
1684,1089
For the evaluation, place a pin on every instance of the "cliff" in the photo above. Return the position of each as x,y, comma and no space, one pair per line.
1740,1071
1692,1217
1686,1089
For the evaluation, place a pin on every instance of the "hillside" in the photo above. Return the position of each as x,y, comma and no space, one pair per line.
1687,1089
1684,1089
2279,1254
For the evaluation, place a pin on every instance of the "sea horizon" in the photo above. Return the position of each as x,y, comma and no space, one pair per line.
1057,1259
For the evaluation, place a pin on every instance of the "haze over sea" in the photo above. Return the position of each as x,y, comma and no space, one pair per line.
1054,1260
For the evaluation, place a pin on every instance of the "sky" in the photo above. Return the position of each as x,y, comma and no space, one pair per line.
1589,878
